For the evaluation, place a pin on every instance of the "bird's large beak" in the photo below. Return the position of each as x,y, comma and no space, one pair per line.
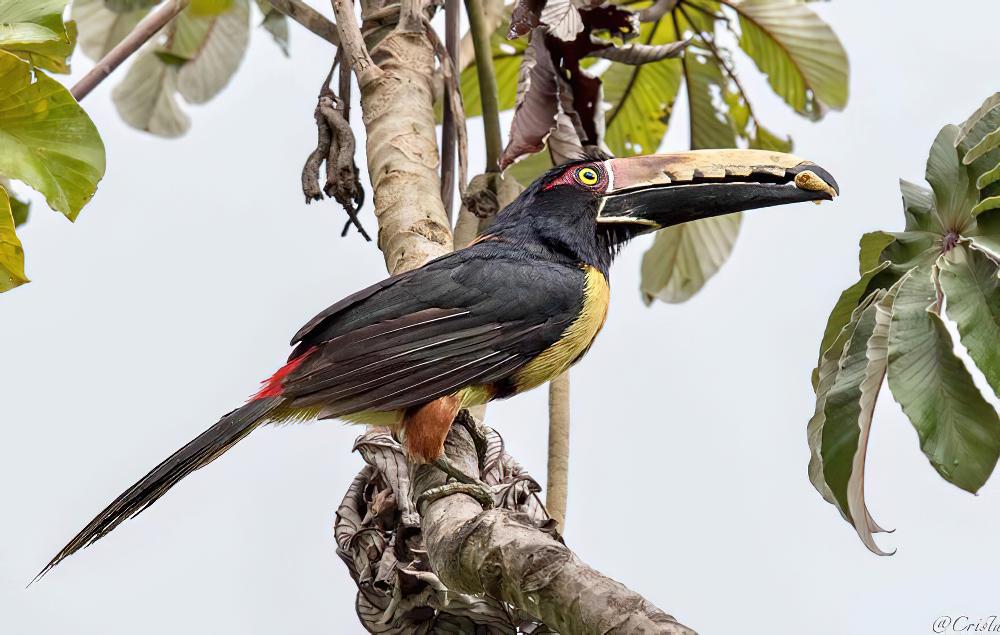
661,190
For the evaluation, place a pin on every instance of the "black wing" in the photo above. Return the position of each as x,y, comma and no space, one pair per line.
472,317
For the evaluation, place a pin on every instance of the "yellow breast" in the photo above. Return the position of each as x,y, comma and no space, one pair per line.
575,341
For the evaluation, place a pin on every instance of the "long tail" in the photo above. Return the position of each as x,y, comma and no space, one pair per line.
199,452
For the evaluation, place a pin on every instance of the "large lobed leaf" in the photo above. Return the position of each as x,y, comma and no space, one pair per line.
804,61
684,257
201,54
276,23
845,406
955,192
11,253
102,28
642,96
34,30
971,282
48,141
959,430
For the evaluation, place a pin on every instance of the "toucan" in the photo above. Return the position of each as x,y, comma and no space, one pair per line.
507,313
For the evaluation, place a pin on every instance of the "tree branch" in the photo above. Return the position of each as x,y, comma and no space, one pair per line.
309,18
452,9
362,63
487,82
142,33
557,484
507,556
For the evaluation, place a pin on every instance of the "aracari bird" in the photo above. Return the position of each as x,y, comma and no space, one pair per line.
511,311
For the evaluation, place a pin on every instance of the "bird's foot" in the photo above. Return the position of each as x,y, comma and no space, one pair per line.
477,432
465,484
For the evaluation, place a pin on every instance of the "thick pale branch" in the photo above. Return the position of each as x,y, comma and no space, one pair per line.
353,42
309,18
506,556
142,33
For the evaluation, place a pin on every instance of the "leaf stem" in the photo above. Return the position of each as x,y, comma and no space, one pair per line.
142,33
452,9
488,94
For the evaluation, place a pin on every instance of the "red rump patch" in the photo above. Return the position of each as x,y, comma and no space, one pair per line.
272,387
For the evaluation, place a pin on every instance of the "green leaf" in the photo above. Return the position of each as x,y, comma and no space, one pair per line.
804,61
710,127
146,99
971,283
848,407
988,178
101,28
988,144
959,431
642,97
19,209
211,7
684,257
871,265
986,205
982,124
986,234
824,377
840,316
48,141
764,139
200,57
870,250
11,253
918,207
34,30
14,35
276,23
219,53
954,192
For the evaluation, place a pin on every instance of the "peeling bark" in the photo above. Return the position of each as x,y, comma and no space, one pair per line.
397,109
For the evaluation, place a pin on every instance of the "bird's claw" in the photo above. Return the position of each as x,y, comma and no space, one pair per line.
466,485
479,491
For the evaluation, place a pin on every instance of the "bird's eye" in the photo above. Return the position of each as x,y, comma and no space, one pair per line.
587,176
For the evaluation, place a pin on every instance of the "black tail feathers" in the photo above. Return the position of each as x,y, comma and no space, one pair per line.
198,453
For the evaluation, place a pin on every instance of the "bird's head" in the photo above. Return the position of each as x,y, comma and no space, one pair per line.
591,207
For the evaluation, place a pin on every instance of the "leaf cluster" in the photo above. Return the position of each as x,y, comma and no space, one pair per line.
49,143
944,265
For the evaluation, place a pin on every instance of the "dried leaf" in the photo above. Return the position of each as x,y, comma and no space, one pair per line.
524,18
562,19
538,102
636,54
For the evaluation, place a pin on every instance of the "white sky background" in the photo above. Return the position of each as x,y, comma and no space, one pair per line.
181,283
